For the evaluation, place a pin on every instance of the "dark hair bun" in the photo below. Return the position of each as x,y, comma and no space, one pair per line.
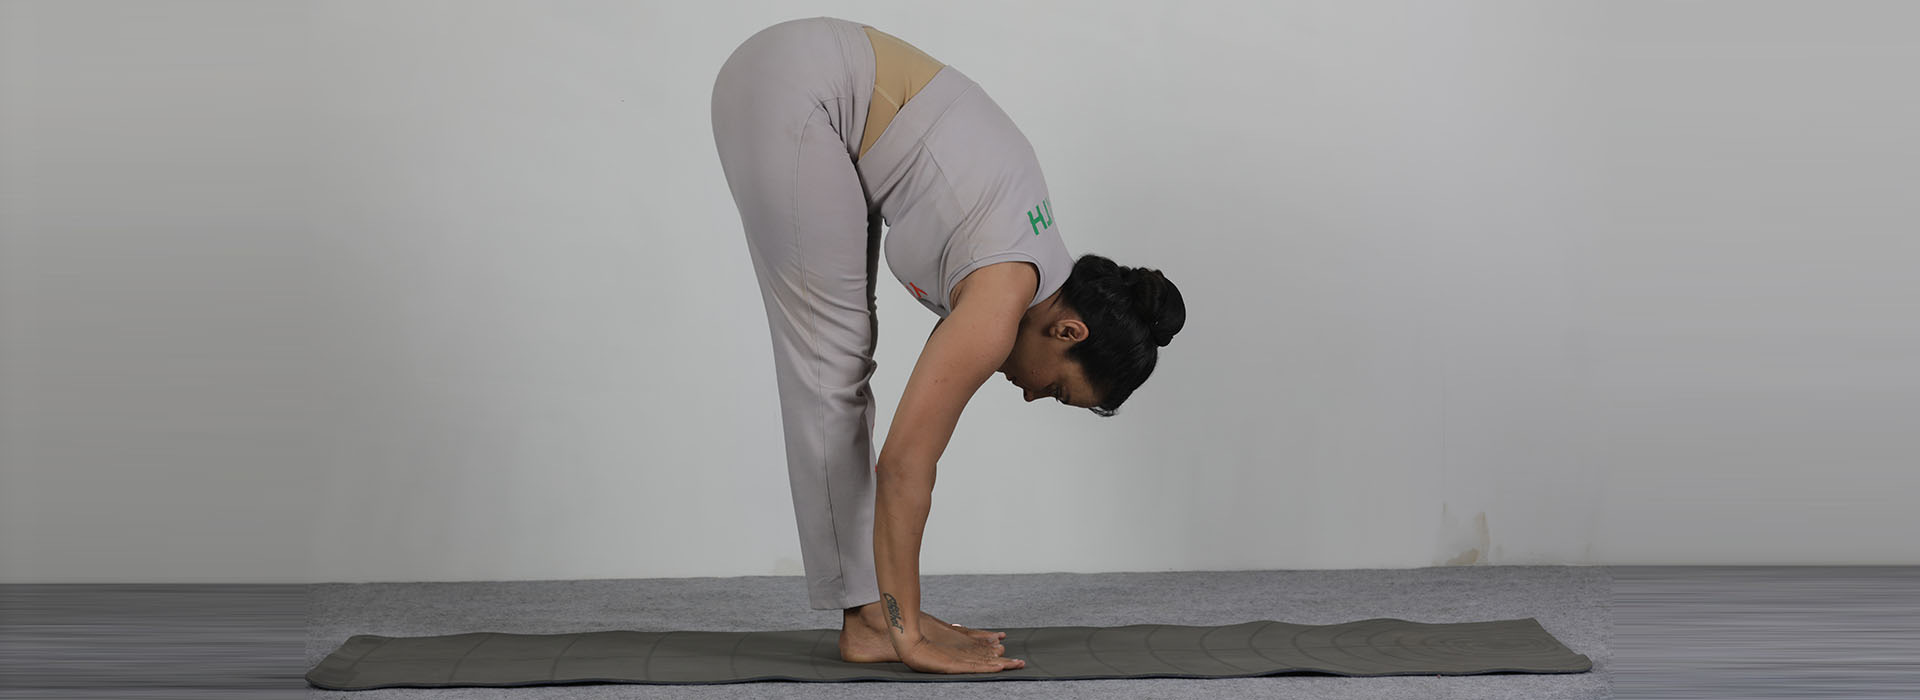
1130,313
1157,303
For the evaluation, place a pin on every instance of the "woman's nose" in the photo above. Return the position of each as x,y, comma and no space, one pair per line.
1030,394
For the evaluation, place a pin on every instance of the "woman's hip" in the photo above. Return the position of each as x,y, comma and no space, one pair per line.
776,78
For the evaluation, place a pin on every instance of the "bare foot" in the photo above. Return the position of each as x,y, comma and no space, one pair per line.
986,637
864,638
934,658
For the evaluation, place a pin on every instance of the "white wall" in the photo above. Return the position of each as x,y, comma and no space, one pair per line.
347,291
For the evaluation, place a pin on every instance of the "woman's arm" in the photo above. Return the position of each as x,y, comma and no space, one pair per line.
964,351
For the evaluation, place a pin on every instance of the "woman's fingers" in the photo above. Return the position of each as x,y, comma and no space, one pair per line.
935,658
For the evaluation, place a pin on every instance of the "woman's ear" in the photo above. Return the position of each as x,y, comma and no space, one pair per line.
1070,329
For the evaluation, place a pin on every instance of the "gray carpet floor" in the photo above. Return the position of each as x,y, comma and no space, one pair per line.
1652,632
1754,632
1572,603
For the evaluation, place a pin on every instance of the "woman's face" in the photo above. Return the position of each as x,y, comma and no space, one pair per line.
1039,363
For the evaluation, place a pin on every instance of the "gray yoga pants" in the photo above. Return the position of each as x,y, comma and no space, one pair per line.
788,108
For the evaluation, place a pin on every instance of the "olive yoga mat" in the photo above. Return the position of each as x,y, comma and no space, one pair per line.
1377,647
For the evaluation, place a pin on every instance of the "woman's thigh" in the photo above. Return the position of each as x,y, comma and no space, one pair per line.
806,223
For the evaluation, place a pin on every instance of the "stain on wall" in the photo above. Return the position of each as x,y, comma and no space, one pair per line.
1466,558
1464,544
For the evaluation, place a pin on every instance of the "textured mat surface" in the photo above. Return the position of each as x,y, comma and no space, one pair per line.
1376,647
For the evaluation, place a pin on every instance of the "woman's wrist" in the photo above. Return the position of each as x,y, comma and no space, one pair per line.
902,624
902,641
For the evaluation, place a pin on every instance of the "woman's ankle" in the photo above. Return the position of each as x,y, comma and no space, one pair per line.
869,613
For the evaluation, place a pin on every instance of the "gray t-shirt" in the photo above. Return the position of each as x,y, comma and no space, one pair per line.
960,188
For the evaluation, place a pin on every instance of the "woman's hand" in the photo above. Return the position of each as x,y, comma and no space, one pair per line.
927,657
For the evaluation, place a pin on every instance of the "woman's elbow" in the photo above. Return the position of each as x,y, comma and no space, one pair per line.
898,469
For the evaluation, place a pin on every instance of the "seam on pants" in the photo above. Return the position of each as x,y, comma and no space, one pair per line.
813,343
853,112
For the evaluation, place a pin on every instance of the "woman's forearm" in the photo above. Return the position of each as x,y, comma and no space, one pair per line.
903,497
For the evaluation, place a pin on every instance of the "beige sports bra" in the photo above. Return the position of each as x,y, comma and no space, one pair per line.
899,71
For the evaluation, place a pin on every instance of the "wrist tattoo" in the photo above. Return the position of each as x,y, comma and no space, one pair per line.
893,613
